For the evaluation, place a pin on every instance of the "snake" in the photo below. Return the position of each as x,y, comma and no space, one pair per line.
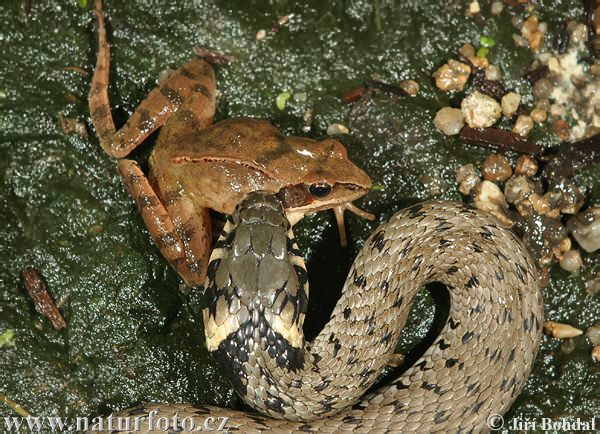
256,302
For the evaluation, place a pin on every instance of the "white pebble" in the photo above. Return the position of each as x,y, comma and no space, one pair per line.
510,103
480,110
474,8
571,261
335,129
561,331
497,8
492,72
261,34
449,120
523,125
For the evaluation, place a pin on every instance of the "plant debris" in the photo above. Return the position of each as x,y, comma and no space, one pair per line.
497,138
36,288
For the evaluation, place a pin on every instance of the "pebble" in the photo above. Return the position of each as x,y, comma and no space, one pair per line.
592,286
517,188
452,75
571,261
467,50
523,125
596,354
497,8
488,197
480,110
560,330
510,103
567,346
411,87
467,177
542,88
335,129
496,168
585,228
474,8
538,115
526,166
449,120
593,334
261,34
492,72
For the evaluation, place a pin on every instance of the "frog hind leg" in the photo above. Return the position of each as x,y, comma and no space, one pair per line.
177,238
195,77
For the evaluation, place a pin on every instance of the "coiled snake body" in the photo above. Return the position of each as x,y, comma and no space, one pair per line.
257,296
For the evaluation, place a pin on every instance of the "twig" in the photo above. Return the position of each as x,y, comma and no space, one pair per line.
14,406
41,299
497,138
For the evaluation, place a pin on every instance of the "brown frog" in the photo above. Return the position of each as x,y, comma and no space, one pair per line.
196,166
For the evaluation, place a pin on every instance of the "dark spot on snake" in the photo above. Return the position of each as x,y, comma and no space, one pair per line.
486,233
422,366
378,241
347,312
351,419
275,405
427,386
441,417
398,301
472,282
476,407
384,286
521,271
445,243
443,345
137,411
452,270
306,428
467,337
451,362
296,383
444,226
336,348
511,356
418,262
476,248
473,389
317,358
321,387
405,251
258,419
399,407
386,338
171,94
453,324
526,324
415,211
359,280
366,373
500,275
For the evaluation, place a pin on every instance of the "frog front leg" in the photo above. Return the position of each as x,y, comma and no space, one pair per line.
181,232
194,78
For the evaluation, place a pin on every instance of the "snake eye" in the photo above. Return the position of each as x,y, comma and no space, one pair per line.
319,190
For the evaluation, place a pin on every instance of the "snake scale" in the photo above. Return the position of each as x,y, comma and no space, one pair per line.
257,295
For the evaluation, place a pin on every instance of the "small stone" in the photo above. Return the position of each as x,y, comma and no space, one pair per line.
536,41
561,331
529,26
479,62
496,168
526,166
488,197
480,110
261,34
467,50
565,244
585,228
497,8
554,66
538,115
452,76
523,125
492,72
411,87
571,261
520,41
543,88
579,35
517,188
593,334
474,8
449,120
596,354
592,286
540,204
467,177
335,129
510,103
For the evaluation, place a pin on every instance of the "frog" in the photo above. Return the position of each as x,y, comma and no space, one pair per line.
197,165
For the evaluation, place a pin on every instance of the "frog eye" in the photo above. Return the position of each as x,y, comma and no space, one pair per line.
319,190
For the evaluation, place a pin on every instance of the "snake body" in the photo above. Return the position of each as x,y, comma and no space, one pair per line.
257,294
